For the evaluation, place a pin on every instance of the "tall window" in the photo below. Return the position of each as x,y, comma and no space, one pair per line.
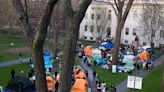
126,31
126,41
92,16
108,31
92,28
109,15
85,27
134,31
98,16
86,15
162,33
98,29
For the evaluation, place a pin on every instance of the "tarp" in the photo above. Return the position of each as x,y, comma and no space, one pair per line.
107,45
47,59
146,47
96,54
88,50
100,61
80,85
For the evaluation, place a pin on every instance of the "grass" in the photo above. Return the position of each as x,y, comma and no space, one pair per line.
152,82
108,77
5,45
5,72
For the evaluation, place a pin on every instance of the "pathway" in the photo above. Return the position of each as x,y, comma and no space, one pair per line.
90,74
140,73
13,62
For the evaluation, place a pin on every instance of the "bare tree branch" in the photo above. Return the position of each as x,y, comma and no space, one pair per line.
23,17
128,7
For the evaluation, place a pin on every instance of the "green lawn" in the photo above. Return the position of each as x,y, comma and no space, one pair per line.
5,72
18,41
153,82
108,77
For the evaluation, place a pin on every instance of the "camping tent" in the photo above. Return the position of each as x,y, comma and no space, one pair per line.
88,50
20,84
47,59
80,85
96,53
128,60
107,45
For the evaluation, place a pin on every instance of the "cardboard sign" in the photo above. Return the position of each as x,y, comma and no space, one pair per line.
134,82
138,83
130,82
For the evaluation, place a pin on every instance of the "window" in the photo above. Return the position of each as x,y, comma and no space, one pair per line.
108,31
134,31
126,41
144,43
91,38
92,16
85,27
162,33
92,28
98,29
109,15
98,16
127,31
86,15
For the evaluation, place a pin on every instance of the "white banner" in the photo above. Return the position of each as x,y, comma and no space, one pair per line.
138,83
134,82
130,82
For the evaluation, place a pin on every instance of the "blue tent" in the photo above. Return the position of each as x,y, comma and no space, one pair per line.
47,59
100,61
107,45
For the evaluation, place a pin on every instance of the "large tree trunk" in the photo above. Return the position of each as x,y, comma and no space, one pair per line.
38,41
121,18
38,47
72,22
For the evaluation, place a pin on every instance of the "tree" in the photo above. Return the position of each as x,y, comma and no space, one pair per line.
72,21
121,9
100,23
150,20
36,43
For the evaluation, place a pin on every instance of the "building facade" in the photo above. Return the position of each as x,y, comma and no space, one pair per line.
131,29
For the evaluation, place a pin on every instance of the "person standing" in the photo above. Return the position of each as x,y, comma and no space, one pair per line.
113,88
12,73
103,86
99,87
20,56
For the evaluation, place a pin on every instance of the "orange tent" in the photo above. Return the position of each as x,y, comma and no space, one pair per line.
80,85
146,55
81,76
88,50
141,58
49,81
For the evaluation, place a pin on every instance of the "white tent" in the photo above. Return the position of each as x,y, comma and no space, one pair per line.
96,53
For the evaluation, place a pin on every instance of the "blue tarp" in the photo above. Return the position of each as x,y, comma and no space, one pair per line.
107,45
47,59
